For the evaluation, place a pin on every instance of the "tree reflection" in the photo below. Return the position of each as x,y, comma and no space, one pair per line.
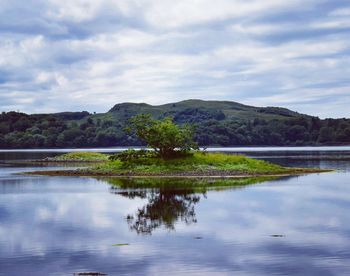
168,200
164,208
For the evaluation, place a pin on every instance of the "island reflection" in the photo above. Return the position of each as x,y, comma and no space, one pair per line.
170,200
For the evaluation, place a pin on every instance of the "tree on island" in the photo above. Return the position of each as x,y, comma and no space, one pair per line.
166,138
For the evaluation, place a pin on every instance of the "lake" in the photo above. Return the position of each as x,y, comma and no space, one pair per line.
287,226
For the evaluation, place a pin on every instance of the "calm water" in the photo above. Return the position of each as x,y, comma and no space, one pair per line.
63,225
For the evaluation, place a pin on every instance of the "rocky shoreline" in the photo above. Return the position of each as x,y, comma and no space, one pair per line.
181,174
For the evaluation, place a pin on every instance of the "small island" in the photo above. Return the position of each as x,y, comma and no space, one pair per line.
172,153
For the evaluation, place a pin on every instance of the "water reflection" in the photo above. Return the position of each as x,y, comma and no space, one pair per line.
163,208
169,200
64,225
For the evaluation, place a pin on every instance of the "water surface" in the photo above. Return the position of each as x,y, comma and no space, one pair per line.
62,225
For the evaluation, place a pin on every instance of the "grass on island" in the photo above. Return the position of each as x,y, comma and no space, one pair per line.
81,157
198,162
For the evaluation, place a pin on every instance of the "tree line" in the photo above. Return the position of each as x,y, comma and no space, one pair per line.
82,129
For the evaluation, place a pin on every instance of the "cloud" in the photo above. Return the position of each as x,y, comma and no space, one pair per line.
98,53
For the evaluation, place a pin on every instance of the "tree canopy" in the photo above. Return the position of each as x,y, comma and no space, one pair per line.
165,137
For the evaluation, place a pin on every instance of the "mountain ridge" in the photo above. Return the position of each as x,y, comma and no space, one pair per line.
230,109
204,104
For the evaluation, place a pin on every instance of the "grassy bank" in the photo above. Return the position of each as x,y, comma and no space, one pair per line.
197,164
79,157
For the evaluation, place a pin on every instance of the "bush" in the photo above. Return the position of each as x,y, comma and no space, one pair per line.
132,155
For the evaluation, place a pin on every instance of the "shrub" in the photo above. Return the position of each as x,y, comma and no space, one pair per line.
132,155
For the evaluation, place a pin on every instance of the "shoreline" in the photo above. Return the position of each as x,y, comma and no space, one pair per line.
188,174
114,149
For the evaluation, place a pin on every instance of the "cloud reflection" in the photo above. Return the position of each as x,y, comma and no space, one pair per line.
59,225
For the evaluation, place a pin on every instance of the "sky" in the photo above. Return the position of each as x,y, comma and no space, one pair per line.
89,55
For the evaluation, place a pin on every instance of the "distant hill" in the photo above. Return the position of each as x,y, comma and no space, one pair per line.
209,109
219,123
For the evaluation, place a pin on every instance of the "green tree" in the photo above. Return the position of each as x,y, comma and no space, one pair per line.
165,137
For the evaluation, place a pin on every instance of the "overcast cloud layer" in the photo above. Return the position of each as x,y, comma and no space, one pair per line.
89,55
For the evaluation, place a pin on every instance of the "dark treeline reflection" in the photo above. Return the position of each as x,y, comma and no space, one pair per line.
169,200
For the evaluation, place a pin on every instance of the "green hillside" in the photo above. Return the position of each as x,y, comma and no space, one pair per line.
221,123
219,110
